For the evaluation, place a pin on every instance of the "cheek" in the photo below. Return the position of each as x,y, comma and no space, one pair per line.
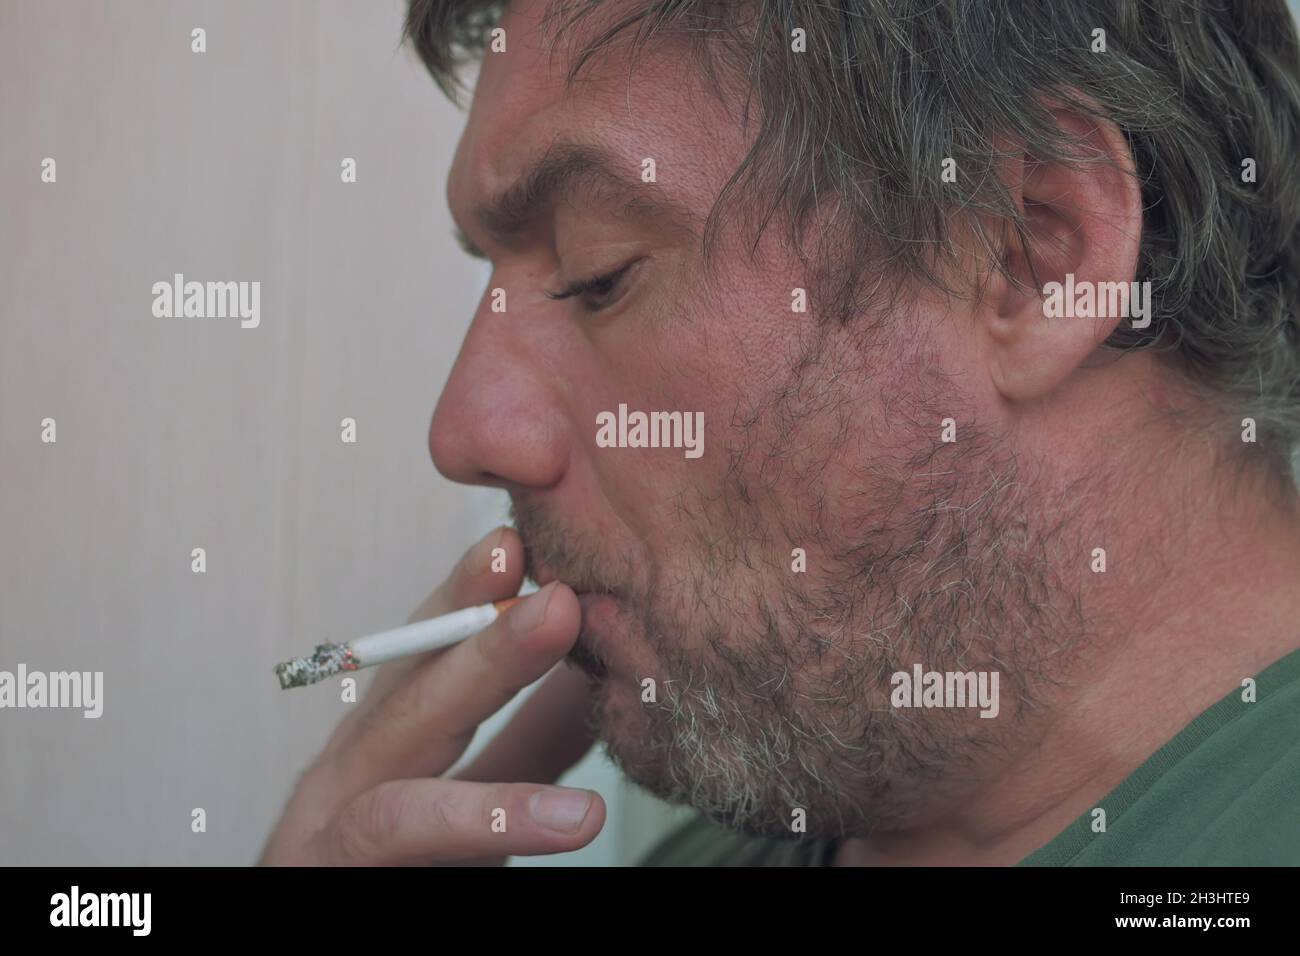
660,429
770,389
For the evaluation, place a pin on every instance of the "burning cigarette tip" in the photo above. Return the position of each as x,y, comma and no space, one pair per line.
326,661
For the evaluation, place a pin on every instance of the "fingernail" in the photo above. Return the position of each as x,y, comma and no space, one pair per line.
528,614
561,810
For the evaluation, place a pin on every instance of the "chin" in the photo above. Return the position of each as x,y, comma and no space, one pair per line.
629,734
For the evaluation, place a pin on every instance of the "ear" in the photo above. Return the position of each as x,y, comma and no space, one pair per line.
1083,228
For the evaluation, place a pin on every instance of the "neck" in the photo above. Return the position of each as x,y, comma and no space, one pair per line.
1201,593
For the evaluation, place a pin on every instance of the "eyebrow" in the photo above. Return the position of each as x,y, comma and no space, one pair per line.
564,172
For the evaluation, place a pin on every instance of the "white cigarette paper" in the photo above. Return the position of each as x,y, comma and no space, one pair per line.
417,638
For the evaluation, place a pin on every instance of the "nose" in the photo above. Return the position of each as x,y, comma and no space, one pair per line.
499,420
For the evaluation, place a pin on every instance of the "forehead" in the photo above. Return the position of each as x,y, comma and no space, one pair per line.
657,107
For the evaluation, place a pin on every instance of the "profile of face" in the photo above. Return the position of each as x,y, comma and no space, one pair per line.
827,537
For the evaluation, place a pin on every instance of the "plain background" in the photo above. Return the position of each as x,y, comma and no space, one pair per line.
174,434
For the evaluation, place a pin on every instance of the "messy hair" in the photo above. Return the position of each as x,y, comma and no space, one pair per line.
886,91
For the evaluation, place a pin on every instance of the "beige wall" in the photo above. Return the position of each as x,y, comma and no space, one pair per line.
174,434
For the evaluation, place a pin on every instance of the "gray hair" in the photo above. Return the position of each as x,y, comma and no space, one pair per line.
887,90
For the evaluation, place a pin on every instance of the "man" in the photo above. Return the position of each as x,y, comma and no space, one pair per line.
991,554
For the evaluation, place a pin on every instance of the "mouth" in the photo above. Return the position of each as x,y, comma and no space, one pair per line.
599,605
586,591
591,650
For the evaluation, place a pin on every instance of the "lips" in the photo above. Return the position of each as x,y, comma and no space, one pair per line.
597,613
599,605
543,576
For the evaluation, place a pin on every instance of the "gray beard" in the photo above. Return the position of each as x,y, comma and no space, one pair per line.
774,694
773,691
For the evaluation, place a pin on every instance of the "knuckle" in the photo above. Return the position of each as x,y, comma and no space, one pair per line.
349,843
442,814
370,823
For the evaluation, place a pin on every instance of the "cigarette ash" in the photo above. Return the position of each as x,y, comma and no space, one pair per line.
326,661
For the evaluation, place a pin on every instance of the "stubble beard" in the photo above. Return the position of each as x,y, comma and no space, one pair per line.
771,687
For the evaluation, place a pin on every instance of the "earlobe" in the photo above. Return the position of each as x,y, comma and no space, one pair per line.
1082,224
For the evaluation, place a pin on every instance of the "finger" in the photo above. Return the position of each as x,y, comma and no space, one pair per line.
424,725
471,582
443,821
549,733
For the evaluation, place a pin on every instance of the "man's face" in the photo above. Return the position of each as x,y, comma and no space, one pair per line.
771,675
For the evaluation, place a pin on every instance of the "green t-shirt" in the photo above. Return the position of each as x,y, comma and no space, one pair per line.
1224,792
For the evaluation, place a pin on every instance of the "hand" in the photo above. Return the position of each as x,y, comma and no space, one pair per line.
373,796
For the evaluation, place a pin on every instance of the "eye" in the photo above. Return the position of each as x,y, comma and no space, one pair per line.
596,292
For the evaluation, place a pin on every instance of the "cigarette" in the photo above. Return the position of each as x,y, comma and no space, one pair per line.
436,632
